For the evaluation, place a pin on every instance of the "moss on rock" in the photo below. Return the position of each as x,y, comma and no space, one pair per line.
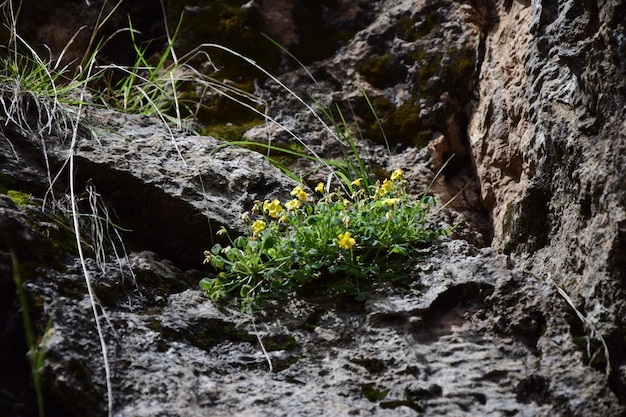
227,23
228,132
418,27
459,72
402,124
373,393
20,199
383,71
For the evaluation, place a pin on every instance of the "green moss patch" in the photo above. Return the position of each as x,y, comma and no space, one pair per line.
459,72
402,124
418,27
373,393
229,132
227,23
20,199
383,71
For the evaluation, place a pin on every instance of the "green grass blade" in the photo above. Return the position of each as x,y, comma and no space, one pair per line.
33,353
378,121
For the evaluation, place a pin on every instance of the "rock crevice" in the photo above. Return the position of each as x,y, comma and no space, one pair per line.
531,98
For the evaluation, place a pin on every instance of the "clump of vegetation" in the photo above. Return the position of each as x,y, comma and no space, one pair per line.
360,234
20,199
418,27
383,71
353,227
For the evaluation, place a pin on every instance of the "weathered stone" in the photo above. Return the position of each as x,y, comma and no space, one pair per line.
418,64
530,97
468,334
190,186
549,141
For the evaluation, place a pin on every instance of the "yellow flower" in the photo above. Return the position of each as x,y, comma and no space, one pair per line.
258,226
345,241
398,174
357,182
272,208
320,187
300,193
385,188
390,201
293,204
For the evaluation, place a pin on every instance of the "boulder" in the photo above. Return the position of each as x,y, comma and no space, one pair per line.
521,313
548,140
190,186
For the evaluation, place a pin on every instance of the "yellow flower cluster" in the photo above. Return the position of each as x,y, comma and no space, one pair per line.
387,185
389,202
300,193
346,241
272,208
384,188
293,205
396,175
258,226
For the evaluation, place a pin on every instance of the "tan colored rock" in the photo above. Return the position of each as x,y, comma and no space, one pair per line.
548,140
499,129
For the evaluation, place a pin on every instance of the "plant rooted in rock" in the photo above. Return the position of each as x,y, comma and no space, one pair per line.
289,244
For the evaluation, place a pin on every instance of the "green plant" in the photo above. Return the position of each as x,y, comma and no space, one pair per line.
50,82
19,198
362,229
43,98
146,88
56,88
36,351
359,235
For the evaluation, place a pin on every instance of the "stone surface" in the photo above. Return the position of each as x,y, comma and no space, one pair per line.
190,186
468,334
548,141
525,316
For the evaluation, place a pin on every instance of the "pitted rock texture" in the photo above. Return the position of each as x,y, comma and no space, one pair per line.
190,186
417,64
548,140
530,97
468,334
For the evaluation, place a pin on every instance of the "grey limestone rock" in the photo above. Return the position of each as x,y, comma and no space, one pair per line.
512,321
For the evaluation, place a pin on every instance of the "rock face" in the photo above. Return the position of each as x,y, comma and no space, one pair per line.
548,142
190,186
469,334
523,317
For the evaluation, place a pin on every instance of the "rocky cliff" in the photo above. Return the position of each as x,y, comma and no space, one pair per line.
520,313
